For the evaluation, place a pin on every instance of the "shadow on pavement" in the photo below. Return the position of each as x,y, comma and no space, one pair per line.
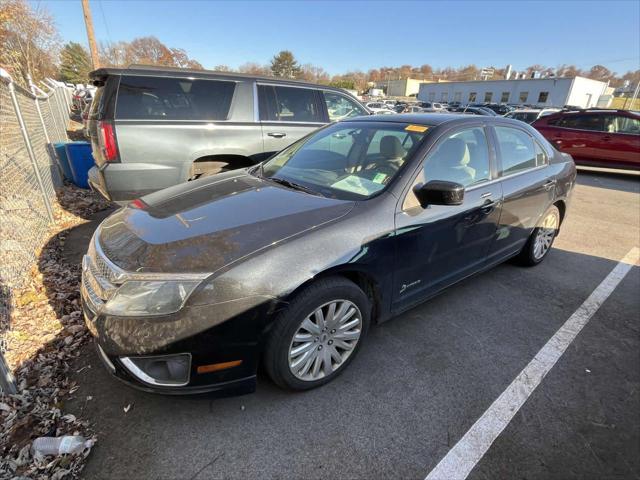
613,180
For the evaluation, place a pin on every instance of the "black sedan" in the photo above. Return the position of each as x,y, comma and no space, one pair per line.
289,262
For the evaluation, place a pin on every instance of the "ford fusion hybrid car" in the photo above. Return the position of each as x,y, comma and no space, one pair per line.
288,263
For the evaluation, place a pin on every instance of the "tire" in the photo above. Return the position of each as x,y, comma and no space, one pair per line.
535,252
280,343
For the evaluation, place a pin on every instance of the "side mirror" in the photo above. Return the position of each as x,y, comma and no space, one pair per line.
439,192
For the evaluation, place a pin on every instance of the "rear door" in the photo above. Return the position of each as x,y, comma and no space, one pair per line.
287,114
621,141
580,134
528,188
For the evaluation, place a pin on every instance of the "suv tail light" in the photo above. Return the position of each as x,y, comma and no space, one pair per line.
108,143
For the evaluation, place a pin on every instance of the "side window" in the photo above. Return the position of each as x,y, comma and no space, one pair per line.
620,124
583,122
541,155
288,104
517,150
340,107
462,157
141,98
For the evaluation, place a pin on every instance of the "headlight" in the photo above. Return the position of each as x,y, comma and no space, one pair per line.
144,298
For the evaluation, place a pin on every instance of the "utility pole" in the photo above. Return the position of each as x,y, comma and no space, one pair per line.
86,9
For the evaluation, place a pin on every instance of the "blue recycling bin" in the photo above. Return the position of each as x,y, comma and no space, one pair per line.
80,161
63,161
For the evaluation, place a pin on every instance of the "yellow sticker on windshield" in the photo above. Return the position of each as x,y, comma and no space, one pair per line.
416,128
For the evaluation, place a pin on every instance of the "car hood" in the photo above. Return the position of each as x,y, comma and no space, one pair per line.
204,225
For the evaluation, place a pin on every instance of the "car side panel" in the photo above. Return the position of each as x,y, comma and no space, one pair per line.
619,148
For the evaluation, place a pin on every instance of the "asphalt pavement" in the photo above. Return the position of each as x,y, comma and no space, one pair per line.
421,380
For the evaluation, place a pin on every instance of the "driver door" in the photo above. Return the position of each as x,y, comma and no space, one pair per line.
439,245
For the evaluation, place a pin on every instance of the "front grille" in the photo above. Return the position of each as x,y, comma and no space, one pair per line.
94,302
97,279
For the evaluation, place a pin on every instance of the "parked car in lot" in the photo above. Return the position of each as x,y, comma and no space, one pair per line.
475,111
601,138
499,109
530,115
289,262
153,127
85,119
432,106
379,107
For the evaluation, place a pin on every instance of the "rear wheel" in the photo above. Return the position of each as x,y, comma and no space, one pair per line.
317,336
541,239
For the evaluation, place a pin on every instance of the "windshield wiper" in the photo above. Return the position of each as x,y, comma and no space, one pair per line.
294,185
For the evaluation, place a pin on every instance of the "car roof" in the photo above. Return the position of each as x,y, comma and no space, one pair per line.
431,119
158,71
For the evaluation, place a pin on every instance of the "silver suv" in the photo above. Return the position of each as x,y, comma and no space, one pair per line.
152,127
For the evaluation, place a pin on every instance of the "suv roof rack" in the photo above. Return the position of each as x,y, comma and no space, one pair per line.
103,72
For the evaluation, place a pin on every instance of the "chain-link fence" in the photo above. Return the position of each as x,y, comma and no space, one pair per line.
30,122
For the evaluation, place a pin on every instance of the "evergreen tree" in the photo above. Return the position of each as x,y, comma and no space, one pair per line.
75,63
285,65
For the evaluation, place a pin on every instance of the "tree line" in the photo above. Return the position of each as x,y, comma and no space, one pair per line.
31,45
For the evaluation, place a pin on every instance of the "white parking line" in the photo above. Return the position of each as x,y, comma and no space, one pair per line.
465,454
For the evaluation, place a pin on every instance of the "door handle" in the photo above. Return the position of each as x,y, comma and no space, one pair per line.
488,206
606,138
277,134
549,184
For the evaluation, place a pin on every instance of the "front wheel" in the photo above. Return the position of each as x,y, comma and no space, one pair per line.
318,335
541,239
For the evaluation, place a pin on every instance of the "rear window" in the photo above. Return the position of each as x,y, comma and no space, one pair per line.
152,98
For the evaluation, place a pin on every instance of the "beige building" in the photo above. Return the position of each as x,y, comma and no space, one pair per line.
405,87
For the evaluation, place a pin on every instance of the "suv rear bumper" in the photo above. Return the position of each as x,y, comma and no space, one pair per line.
123,182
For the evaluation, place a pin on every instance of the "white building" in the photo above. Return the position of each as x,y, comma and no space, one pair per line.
549,92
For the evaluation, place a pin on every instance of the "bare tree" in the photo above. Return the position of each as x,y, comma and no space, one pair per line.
29,41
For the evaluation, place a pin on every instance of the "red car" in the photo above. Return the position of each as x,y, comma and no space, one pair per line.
595,137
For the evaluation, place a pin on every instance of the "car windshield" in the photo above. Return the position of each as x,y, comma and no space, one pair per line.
348,161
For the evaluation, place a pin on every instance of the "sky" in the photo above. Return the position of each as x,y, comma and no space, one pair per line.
343,35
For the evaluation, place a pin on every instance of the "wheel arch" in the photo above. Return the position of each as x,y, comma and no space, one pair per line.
562,207
205,163
364,279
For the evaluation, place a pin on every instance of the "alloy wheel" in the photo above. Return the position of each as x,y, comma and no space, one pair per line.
544,237
324,340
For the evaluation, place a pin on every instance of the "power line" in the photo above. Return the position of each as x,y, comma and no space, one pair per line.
104,20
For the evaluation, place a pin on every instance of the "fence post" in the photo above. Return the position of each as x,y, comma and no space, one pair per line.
7,382
35,94
27,143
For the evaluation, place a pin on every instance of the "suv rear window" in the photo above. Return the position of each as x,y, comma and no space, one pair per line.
153,98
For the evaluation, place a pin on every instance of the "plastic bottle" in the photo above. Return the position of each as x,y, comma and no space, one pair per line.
60,445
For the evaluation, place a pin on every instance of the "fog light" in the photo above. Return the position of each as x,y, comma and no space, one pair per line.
164,370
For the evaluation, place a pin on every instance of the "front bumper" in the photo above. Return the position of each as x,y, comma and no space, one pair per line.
238,386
